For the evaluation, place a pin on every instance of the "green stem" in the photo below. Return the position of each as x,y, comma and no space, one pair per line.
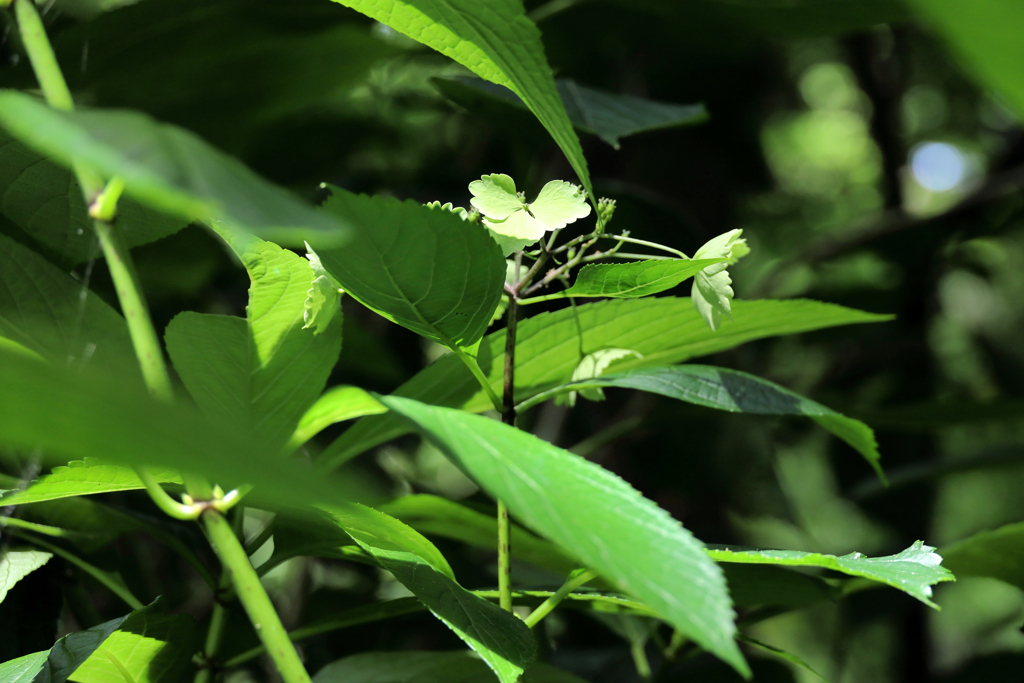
254,598
653,245
104,207
624,255
40,54
504,559
540,299
508,416
474,367
575,580
56,532
163,500
260,539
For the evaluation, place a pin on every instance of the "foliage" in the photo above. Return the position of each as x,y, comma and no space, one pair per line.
536,490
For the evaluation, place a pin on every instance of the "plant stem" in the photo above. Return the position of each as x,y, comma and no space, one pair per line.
163,500
653,245
575,580
218,615
509,418
254,598
40,54
540,299
474,367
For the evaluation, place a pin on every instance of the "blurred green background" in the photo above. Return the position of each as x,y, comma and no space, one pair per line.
868,161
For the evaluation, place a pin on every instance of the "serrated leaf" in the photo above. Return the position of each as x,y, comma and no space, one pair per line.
323,300
495,40
608,115
515,222
593,365
426,667
913,571
499,637
265,370
86,415
85,478
50,313
735,392
712,292
563,497
45,201
665,330
634,280
152,647
15,565
60,661
996,553
423,268
337,404
167,168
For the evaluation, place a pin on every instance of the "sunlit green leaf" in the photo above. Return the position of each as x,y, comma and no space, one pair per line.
323,300
495,40
426,667
563,497
665,330
85,478
150,646
518,223
998,553
913,571
167,168
712,292
50,313
60,661
15,565
45,201
633,280
736,392
421,267
593,365
337,404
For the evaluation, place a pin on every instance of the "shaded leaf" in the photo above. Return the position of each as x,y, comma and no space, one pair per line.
736,392
780,653
664,330
60,661
913,571
167,168
634,280
262,371
421,267
45,201
85,478
50,313
563,497
998,553
495,40
425,667
15,565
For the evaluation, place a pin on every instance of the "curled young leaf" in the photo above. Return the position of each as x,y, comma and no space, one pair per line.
323,300
594,365
712,292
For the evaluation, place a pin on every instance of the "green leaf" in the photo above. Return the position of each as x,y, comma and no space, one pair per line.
711,292
86,415
913,571
736,392
495,40
15,565
608,115
45,201
780,653
499,637
323,300
85,478
150,646
984,36
665,330
337,404
518,222
60,661
423,268
425,667
167,168
49,312
634,280
265,370
998,553
563,497
593,365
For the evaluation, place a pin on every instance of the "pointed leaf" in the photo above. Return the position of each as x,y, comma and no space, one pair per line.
150,646
45,201
262,371
421,267
913,571
495,40
425,667
499,637
998,553
167,168
634,280
736,392
85,478
596,516
337,404
60,661
15,565
665,330
50,313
